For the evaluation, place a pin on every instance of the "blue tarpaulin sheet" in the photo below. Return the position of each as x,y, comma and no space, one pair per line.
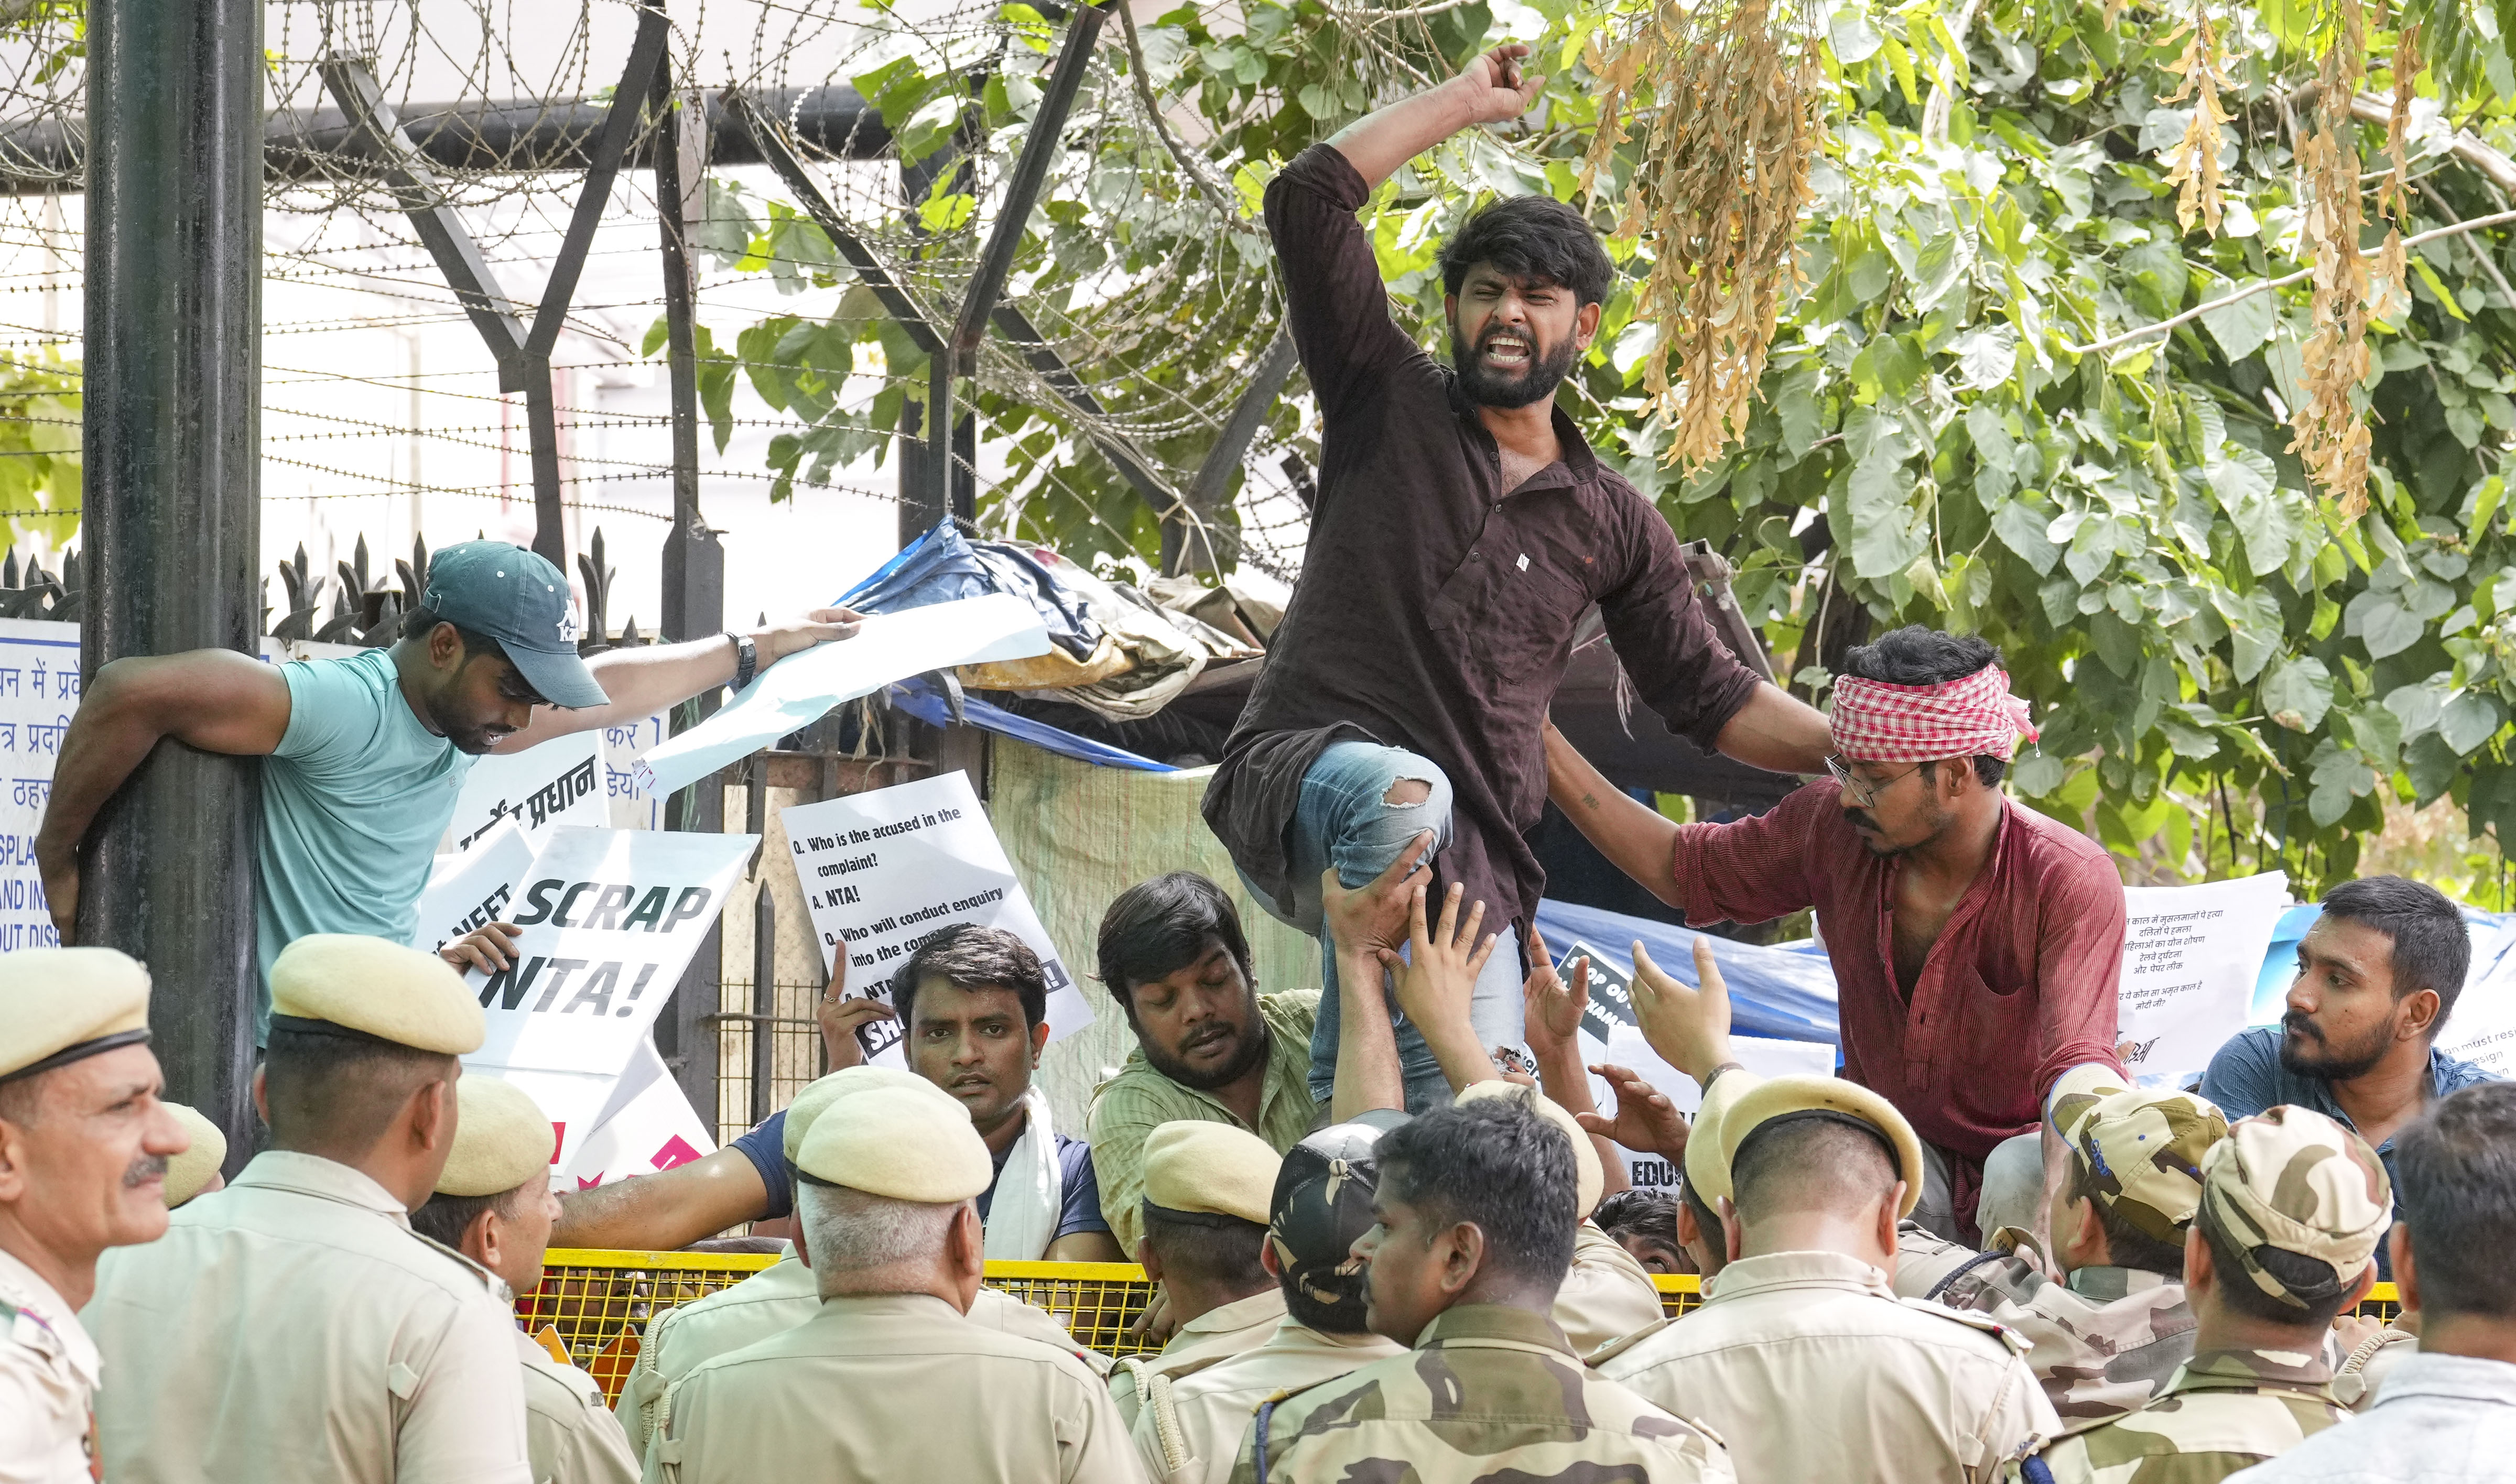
1785,992
942,566
920,698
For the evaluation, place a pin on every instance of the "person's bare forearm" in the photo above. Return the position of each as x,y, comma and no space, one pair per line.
640,682
1377,144
1367,1059
665,1210
1638,840
1779,732
1566,1081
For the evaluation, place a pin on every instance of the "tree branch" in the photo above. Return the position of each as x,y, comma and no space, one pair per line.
1214,192
2435,235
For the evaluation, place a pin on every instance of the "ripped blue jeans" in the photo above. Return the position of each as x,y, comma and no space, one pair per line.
1347,818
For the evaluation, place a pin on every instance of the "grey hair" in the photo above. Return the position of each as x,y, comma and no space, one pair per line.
848,1232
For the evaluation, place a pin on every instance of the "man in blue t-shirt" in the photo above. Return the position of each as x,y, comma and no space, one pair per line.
365,754
2376,976
975,1001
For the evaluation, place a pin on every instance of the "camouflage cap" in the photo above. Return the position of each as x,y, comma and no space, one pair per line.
2295,1179
2141,1151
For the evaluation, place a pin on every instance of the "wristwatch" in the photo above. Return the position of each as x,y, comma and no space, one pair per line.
746,658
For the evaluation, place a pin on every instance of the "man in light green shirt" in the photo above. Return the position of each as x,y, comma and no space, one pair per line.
368,753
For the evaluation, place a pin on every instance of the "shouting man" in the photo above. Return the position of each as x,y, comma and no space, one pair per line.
1463,529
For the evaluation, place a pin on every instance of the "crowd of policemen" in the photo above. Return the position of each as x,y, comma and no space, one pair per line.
1395,1297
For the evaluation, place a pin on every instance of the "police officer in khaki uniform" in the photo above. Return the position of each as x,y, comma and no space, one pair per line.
1473,1230
785,1294
2292,1205
1802,1356
888,1381
84,1143
2115,1325
495,1205
195,1172
1190,1430
293,1326
1207,1187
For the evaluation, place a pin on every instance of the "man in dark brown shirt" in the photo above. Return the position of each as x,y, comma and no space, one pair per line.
1463,529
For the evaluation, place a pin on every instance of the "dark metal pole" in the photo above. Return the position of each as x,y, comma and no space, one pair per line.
1192,540
171,500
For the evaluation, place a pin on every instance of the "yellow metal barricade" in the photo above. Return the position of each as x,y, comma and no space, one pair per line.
596,1304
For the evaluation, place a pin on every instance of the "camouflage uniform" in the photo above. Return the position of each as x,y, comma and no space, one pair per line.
2106,1338
2294,1180
2224,1410
1490,1392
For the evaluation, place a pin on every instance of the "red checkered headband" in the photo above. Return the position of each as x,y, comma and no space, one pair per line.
1975,715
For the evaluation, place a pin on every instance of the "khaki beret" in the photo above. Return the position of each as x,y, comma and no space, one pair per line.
1782,1096
1708,1166
847,1082
61,1005
1215,1168
502,1139
900,1143
377,988
188,1174
1588,1175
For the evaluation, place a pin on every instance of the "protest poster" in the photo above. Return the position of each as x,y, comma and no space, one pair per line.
554,783
469,889
2190,955
648,1126
2482,1027
1610,1034
624,746
609,919
885,871
39,693
802,689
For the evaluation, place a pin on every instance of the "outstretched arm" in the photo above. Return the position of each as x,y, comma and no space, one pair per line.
643,682
668,1210
1779,732
1636,841
217,700
1489,90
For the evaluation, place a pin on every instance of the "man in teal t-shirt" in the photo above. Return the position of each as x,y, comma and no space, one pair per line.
368,753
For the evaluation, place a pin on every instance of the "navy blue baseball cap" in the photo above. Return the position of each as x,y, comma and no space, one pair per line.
517,598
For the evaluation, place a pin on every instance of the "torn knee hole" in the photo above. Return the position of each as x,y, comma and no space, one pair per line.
1405,792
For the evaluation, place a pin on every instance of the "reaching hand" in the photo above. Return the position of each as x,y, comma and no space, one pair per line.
821,626
1435,988
1645,1120
841,1017
488,950
1689,1028
1493,85
1553,1012
1366,919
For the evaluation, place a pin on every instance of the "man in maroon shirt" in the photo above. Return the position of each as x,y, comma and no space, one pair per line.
1975,944
1463,529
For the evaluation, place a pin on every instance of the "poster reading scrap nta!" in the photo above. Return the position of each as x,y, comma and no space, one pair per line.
883,871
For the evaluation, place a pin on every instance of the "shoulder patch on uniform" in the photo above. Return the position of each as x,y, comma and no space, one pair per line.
25,1327
2019,1344
1619,1345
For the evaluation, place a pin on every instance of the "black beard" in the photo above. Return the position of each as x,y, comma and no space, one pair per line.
2328,1065
1535,384
1254,1051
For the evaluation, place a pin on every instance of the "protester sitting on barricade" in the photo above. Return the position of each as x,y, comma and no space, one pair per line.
785,1294
2107,1310
293,1326
887,1379
1975,944
367,753
2377,975
1190,1430
2449,1411
493,1205
2291,1208
1206,1234
1802,1357
976,1004
1474,1230
84,1146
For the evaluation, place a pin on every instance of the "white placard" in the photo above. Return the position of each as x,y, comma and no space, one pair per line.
648,1127
39,693
2190,957
553,783
885,871
623,746
2482,1027
610,918
469,889
801,688
1609,1034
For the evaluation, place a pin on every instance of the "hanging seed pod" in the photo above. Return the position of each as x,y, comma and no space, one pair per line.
2194,164
2329,434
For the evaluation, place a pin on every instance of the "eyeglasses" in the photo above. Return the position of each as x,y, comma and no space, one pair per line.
1864,792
